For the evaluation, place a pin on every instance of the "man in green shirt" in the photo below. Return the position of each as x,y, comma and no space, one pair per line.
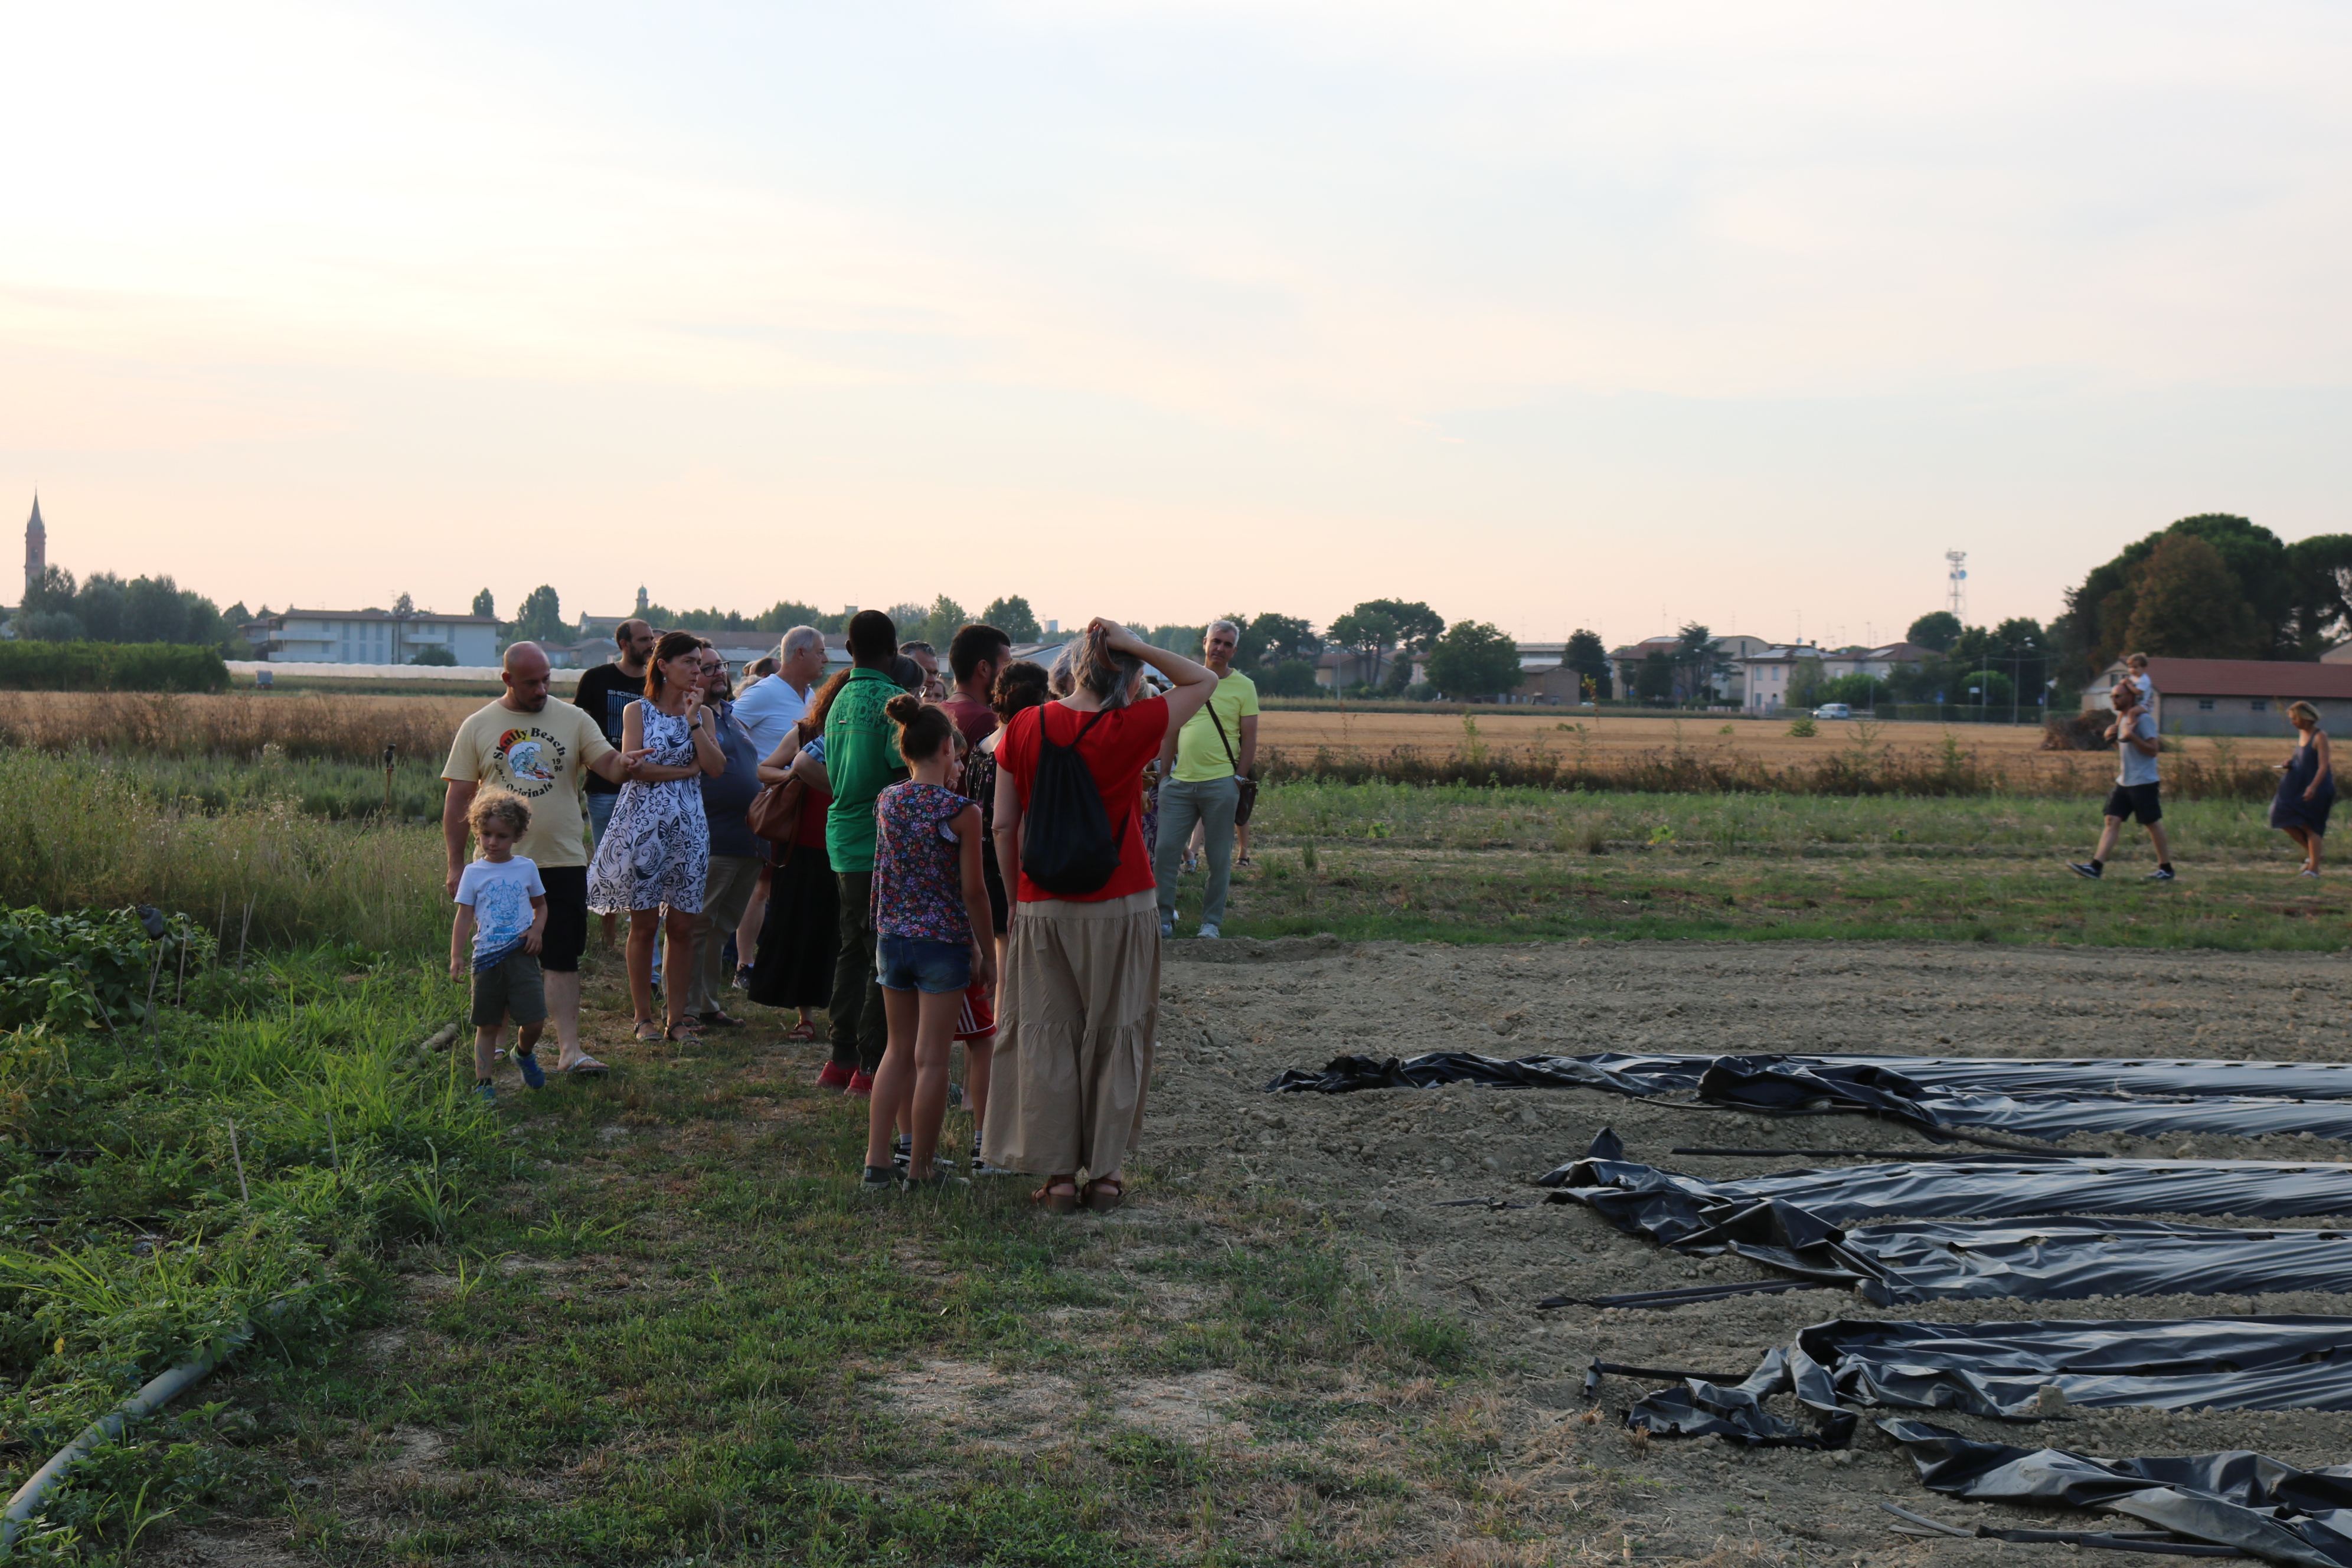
1199,781
861,758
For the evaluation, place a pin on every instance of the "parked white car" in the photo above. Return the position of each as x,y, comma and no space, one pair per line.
1833,710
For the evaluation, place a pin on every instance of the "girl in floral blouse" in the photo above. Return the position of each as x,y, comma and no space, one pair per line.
938,936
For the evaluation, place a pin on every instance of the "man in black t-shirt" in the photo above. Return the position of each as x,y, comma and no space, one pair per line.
604,692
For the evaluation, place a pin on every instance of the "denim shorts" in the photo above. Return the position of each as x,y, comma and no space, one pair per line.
918,963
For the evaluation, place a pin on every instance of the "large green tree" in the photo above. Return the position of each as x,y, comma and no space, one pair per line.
540,618
2186,602
1937,629
1589,657
2293,598
1013,617
1368,631
1473,658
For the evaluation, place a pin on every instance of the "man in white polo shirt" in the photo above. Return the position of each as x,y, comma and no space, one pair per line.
768,710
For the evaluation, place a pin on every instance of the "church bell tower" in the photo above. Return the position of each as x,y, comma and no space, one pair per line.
36,548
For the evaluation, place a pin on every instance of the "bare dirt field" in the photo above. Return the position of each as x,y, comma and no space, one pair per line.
1378,1165
1603,738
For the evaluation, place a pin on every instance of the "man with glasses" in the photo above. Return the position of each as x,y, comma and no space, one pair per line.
1201,771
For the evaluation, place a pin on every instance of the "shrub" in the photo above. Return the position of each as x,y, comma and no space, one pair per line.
435,655
1803,727
110,666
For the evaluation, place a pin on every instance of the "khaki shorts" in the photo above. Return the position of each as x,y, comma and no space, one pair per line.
511,988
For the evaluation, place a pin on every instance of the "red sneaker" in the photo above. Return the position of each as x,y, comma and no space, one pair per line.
861,1086
835,1076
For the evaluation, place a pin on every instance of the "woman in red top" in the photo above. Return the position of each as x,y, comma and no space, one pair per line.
1080,997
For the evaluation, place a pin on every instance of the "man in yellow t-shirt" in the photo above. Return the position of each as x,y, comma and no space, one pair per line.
541,750
1199,781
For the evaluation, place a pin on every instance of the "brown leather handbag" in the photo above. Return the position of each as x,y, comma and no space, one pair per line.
774,813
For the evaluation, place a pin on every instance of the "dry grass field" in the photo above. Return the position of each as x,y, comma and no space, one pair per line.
1522,729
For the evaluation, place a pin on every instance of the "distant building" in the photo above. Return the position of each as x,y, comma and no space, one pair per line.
36,548
1729,677
737,648
1879,663
375,637
1765,675
2235,695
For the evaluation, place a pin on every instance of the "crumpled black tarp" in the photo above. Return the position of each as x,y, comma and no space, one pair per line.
1911,1261
1639,1075
1698,1408
2043,1098
2001,1368
2236,1498
1686,1212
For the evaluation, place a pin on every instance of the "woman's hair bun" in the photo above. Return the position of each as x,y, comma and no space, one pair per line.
903,708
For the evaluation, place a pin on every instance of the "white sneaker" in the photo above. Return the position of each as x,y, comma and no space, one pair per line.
1209,931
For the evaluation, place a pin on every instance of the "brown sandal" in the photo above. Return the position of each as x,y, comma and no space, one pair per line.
647,1031
1052,1202
1104,1194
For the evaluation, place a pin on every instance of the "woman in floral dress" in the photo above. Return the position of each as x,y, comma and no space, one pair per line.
656,854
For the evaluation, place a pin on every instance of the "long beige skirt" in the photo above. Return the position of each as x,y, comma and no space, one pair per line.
1078,1015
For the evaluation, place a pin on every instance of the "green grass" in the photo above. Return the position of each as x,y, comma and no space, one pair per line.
1770,826
1462,864
679,1332
81,833
251,1160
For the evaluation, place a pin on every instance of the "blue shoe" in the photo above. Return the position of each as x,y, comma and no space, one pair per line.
485,1093
533,1075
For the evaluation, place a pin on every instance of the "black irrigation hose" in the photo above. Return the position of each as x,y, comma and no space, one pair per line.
1695,1293
1599,1369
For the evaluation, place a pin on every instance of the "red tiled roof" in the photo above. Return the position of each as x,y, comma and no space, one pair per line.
2279,677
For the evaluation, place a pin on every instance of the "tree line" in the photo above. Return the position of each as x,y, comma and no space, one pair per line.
107,609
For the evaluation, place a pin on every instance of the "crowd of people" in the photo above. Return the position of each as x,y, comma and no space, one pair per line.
989,855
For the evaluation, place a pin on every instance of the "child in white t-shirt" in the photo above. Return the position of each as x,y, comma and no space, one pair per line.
502,912
2137,663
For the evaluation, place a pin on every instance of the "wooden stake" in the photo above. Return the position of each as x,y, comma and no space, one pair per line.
154,972
243,1191
241,930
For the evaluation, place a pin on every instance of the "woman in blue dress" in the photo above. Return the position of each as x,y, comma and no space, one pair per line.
2306,787
655,857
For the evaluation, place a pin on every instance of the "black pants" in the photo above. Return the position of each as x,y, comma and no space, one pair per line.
860,1029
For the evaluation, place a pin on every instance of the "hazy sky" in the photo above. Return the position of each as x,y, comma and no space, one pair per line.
1551,314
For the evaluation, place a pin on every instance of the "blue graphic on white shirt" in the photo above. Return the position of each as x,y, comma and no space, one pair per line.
501,892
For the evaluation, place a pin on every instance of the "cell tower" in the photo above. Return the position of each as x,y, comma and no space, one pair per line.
1956,599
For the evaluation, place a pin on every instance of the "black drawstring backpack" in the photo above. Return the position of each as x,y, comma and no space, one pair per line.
1068,845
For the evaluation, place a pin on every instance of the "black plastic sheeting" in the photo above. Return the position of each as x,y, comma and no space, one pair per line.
1689,1211
2012,1370
2043,1099
2259,1504
1703,1408
1911,1261
2001,1369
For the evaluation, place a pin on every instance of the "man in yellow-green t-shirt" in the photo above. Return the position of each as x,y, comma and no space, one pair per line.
1199,781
